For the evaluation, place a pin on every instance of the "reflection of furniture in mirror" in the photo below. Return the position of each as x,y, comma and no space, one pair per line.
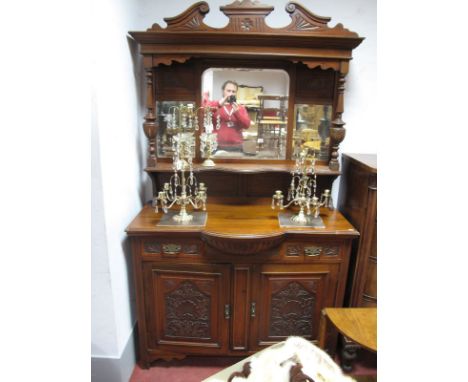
272,124
248,95
241,283
165,133
252,83
312,126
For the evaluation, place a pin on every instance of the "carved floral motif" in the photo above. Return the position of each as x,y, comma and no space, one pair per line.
312,251
152,247
293,250
292,311
187,312
331,251
246,24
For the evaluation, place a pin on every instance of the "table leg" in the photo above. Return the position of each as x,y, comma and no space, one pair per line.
348,354
322,336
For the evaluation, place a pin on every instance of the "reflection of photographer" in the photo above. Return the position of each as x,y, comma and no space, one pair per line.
233,118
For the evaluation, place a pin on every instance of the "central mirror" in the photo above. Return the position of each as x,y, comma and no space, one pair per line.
250,111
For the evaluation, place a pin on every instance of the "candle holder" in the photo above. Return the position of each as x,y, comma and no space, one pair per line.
209,139
302,193
183,188
208,145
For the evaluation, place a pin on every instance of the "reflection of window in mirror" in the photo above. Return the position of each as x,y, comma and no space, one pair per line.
167,126
312,129
254,124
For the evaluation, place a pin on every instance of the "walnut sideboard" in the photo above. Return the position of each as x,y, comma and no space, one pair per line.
237,285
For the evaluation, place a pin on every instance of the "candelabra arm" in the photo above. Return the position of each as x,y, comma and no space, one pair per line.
172,203
288,204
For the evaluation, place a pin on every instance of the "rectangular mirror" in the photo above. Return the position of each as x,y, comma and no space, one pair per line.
250,111
165,132
312,130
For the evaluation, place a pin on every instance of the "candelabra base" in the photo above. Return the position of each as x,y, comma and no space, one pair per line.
286,220
208,163
198,219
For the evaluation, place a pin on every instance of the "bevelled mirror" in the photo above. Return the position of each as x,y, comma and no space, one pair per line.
250,111
166,121
312,130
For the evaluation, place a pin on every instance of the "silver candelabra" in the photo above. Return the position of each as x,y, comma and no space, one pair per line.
302,192
181,189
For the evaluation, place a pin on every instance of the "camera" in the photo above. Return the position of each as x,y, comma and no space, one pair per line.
231,99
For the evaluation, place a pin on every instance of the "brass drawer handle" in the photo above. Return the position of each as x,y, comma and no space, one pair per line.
252,309
171,249
312,251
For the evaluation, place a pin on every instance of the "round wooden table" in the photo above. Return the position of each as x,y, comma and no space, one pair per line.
358,325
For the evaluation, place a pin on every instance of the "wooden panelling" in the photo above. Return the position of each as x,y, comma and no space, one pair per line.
185,306
289,299
358,202
176,82
241,313
314,86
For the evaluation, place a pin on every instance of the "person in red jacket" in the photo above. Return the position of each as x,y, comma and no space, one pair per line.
233,118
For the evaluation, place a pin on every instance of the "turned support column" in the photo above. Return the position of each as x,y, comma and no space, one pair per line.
337,131
349,353
150,126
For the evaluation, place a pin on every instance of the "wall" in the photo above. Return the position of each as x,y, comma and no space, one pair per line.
119,184
273,81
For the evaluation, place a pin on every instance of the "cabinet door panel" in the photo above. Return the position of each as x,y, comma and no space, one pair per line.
240,303
186,307
289,299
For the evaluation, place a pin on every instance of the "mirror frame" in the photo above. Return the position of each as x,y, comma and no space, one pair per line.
248,40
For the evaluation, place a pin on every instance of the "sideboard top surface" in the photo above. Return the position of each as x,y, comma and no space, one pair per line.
368,161
228,217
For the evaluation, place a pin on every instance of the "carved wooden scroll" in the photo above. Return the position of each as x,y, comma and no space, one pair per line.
191,19
249,16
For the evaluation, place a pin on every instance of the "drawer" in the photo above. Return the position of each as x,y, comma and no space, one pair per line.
311,251
164,248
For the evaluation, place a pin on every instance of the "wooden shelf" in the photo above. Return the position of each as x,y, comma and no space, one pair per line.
243,168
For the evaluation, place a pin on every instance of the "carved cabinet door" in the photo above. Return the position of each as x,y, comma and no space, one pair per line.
186,307
287,301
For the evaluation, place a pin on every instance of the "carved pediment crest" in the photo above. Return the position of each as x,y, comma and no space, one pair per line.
191,19
249,16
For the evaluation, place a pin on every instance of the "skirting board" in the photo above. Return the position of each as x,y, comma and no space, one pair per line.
110,369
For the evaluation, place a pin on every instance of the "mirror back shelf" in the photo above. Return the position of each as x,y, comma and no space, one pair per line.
301,107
